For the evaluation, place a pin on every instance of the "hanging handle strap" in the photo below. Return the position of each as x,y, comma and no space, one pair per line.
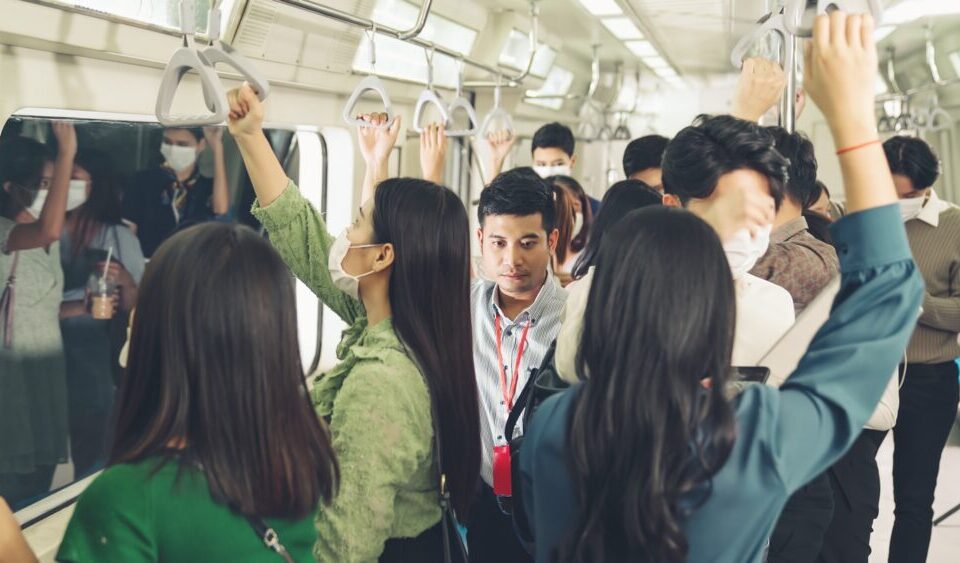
7,302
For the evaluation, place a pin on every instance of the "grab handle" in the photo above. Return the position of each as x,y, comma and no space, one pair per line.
797,14
183,61
369,84
771,23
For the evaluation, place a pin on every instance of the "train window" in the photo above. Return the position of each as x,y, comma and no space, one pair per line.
400,59
134,184
517,49
558,83
162,13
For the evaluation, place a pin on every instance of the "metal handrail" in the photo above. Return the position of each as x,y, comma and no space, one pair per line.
366,23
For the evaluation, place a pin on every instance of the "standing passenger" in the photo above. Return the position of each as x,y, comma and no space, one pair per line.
582,223
399,276
33,393
929,395
706,476
215,441
715,157
93,231
516,316
643,160
159,199
802,265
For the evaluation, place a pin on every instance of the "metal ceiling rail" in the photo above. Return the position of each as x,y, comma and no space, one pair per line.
412,36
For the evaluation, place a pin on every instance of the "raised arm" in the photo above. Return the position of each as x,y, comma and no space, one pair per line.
246,125
823,405
499,143
433,152
296,229
46,230
375,146
221,189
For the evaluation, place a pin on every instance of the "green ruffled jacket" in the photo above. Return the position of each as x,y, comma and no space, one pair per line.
375,399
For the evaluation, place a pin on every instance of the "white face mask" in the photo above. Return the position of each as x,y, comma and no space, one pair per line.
743,251
179,158
577,224
77,195
37,205
345,282
911,208
547,171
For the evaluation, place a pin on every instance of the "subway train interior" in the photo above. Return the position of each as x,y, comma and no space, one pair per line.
147,106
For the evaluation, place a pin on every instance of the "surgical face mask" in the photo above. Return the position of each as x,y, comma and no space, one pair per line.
77,194
179,158
547,171
577,224
345,282
743,251
37,206
911,208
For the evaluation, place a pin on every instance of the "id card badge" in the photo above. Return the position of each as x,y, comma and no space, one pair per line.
502,476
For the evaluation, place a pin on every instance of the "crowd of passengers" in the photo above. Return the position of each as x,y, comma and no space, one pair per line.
644,304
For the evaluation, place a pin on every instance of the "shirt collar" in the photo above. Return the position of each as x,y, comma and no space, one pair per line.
930,214
551,287
789,230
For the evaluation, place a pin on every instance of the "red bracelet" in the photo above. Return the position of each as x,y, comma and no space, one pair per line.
857,147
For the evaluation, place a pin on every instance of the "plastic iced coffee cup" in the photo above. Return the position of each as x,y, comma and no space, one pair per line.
102,307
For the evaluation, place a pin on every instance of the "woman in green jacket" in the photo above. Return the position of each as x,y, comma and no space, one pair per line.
399,276
215,442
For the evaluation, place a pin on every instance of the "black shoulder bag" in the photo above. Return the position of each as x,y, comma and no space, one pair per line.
542,384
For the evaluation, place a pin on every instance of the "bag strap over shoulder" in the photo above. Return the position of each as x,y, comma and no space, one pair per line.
7,302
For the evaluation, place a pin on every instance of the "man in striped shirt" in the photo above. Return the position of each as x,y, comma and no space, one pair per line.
516,316
929,395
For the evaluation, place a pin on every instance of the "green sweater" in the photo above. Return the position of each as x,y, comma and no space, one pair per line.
130,514
375,399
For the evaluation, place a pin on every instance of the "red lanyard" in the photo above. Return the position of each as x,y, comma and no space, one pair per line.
509,395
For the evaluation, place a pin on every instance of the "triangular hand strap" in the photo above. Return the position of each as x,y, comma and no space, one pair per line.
465,105
183,61
798,15
773,23
368,84
429,97
496,114
223,53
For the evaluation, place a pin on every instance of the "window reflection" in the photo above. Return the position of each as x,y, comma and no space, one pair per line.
130,187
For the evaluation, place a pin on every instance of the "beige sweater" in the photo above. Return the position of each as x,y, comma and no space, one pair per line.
935,241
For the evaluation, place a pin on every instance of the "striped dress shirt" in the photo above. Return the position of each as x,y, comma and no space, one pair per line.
544,318
935,240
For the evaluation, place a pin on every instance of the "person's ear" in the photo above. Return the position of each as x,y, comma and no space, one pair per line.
201,146
552,239
384,258
573,160
480,238
670,200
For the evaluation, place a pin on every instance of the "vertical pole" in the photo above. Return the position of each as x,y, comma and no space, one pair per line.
788,105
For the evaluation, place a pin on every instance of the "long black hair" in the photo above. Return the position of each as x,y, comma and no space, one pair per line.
430,301
622,198
646,431
574,188
214,365
103,207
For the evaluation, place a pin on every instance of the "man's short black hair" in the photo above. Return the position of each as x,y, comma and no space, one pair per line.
520,192
644,153
714,146
913,158
554,135
796,147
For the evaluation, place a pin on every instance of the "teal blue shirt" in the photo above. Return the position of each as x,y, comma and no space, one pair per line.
785,436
